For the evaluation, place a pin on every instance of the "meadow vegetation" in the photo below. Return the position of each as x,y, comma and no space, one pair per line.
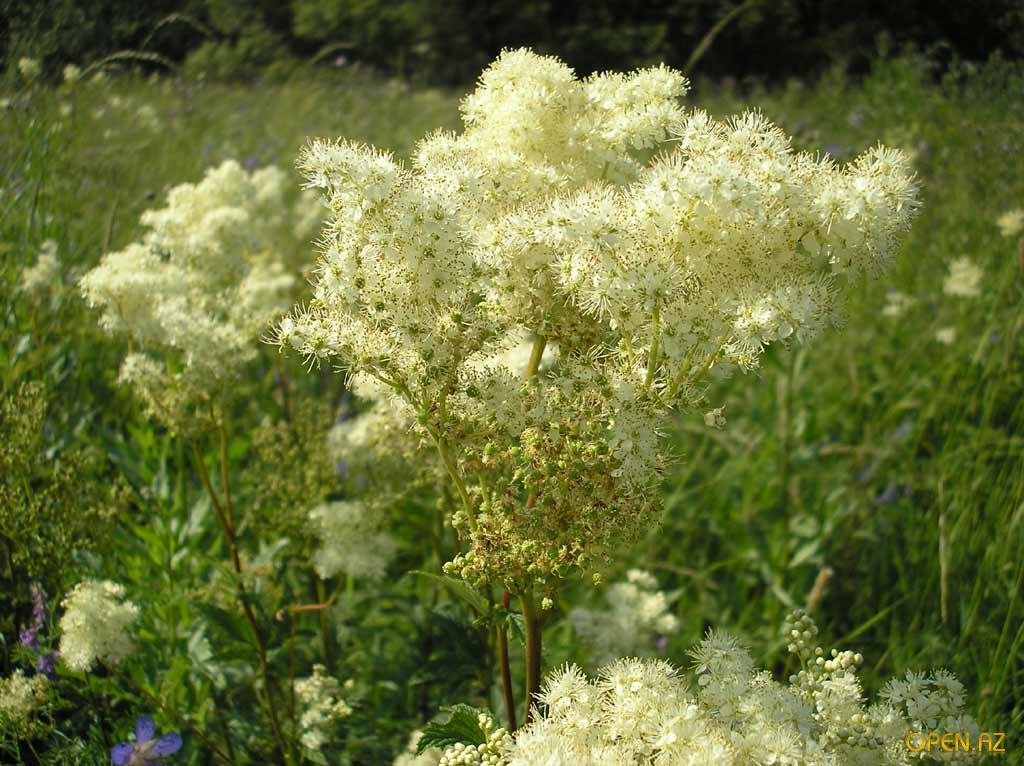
275,555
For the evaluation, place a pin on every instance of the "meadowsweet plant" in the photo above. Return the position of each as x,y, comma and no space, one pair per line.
320,697
634,248
216,265
646,711
194,295
21,697
96,625
44,274
351,540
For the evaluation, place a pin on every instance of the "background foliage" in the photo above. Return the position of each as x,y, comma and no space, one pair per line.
450,42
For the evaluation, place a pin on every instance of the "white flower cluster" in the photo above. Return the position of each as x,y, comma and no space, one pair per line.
44,274
492,752
197,292
897,304
20,696
96,625
351,540
637,616
550,219
1011,223
428,757
319,696
376,447
29,68
641,711
964,279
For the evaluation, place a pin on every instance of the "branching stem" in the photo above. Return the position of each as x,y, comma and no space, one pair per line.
506,669
225,515
534,637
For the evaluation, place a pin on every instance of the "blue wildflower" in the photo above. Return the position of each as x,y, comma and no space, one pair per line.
148,749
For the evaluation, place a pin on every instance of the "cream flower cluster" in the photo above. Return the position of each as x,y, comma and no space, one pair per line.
351,540
1011,223
319,697
639,247
375,449
44,274
638,613
428,757
642,711
197,292
963,279
96,625
20,696
29,68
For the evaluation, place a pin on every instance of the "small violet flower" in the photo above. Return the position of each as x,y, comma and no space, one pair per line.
148,749
47,663
30,636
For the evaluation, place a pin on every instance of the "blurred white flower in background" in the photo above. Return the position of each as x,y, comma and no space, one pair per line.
1011,223
44,274
964,279
637,615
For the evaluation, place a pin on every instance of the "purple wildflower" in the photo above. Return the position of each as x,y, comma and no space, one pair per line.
30,636
47,664
148,749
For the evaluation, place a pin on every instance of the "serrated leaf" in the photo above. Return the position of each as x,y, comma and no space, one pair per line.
460,590
463,726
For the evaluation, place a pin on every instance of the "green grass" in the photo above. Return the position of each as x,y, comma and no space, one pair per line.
893,459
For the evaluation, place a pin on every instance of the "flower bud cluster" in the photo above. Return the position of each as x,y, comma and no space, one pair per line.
319,697
490,753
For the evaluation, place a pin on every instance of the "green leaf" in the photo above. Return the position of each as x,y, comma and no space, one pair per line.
460,590
462,726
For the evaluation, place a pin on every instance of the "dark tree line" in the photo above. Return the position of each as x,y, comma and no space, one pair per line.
449,41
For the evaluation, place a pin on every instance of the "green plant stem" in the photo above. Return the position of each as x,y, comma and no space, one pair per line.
652,362
532,628
531,622
506,670
536,354
325,632
225,514
456,477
